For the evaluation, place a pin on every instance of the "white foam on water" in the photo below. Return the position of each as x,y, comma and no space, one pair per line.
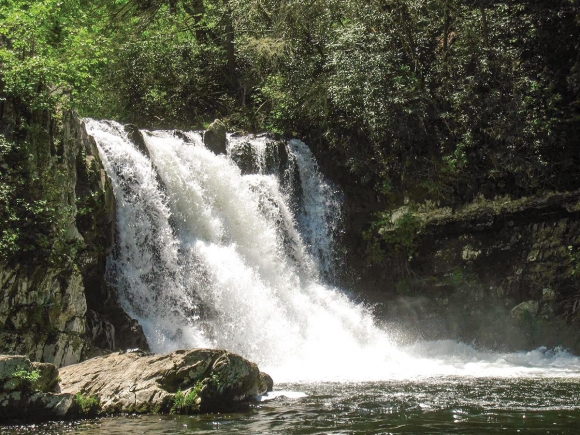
207,256
281,393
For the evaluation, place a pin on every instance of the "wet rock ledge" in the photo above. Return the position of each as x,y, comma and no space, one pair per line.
182,382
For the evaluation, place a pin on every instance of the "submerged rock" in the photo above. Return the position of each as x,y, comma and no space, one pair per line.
245,158
263,155
137,138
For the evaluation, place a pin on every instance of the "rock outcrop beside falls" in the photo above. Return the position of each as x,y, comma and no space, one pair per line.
56,307
185,381
503,274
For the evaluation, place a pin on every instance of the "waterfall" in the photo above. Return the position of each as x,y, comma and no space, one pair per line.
236,251
311,201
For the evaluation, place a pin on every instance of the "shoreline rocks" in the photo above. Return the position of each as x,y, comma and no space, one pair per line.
182,382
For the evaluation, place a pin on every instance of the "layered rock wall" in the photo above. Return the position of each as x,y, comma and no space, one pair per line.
503,273
56,307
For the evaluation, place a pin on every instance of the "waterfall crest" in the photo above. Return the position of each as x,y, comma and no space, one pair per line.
234,251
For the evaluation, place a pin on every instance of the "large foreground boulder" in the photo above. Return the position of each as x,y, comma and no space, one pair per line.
185,381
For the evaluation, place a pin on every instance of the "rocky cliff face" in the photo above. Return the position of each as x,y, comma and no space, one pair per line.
503,273
54,303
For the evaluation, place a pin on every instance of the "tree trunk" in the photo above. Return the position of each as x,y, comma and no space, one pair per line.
484,28
446,23
230,48
196,9
172,7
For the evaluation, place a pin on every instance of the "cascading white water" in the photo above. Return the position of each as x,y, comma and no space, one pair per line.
208,256
315,204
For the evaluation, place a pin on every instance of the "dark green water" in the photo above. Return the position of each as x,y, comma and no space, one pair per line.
461,405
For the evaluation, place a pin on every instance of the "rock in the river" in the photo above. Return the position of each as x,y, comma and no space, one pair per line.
137,138
245,158
268,382
215,137
185,381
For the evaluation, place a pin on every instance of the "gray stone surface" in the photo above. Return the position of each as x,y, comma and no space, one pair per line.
140,382
214,137
212,380
62,311
503,274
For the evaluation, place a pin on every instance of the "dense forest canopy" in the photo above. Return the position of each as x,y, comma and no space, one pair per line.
415,100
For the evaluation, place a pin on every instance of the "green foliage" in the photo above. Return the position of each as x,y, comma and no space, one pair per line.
456,277
441,96
183,90
187,403
33,215
398,231
29,378
167,63
438,100
471,103
404,231
574,255
403,287
87,404
50,50
394,233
